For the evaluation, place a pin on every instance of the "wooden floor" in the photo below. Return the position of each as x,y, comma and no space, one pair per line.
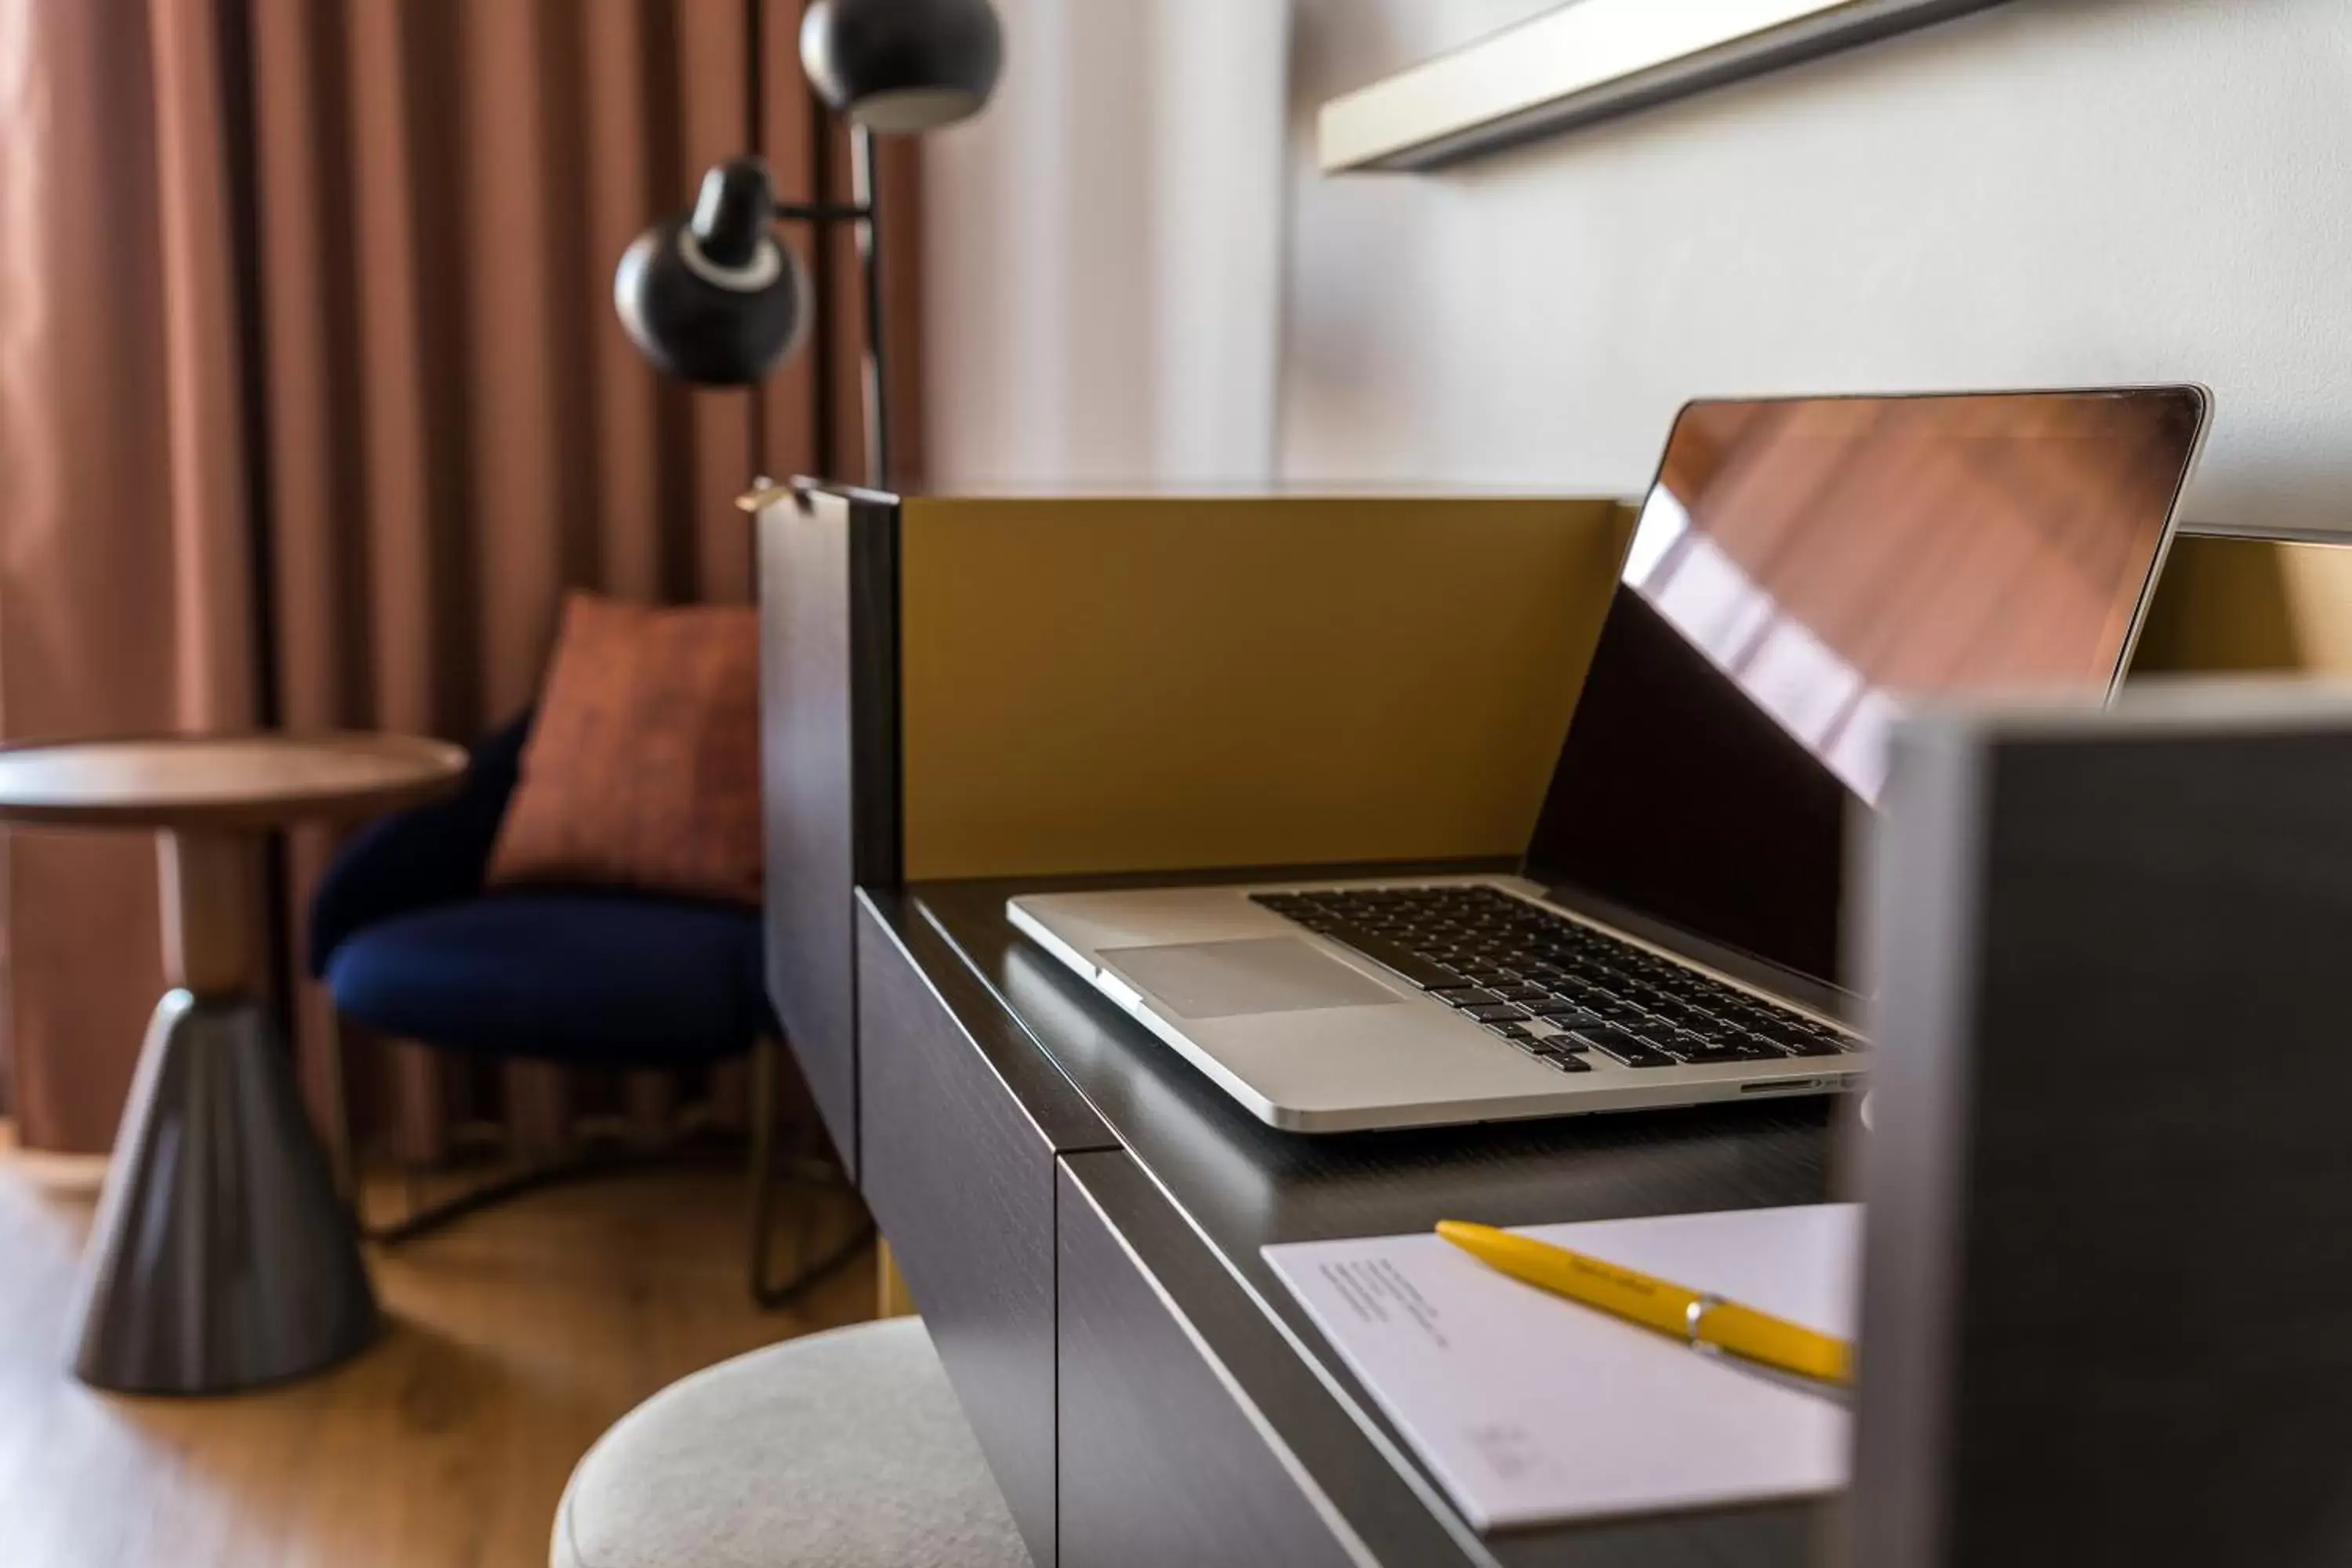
515,1340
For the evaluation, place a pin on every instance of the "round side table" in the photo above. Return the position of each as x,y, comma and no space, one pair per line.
223,1257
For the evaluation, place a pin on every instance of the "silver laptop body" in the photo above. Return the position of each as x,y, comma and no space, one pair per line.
1313,1037
1797,562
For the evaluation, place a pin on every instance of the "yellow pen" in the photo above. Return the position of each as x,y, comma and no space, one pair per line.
1691,1315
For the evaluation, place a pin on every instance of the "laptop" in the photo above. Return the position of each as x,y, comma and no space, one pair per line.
1800,568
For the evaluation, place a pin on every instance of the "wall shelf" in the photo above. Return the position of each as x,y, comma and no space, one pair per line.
1588,61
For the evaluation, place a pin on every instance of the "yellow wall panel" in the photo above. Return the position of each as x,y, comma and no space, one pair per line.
1094,685
2319,600
2239,605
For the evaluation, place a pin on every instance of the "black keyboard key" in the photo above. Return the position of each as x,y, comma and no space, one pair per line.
1625,1047
1499,959
1510,1031
1731,1046
1429,976
1760,1049
1567,1064
1685,1046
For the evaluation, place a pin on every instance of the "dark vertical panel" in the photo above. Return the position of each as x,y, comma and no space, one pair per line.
2109,1183
828,697
877,727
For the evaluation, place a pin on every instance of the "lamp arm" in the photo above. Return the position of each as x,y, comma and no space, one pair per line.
823,212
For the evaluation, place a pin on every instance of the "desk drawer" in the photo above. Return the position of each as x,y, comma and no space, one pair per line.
1162,1466
961,1120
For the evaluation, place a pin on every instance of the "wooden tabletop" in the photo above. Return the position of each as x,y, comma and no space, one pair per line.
222,782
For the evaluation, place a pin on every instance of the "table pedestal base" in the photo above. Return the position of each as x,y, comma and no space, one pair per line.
222,1258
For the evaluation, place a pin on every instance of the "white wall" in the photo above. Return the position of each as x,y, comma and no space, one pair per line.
1104,249
2056,192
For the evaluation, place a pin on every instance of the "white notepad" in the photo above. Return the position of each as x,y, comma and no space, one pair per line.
1532,1409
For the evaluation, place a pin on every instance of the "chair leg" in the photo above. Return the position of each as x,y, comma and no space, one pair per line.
417,1217
420,1218
766,1291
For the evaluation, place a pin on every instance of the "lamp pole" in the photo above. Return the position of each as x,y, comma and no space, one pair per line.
711,297
864,210
873,381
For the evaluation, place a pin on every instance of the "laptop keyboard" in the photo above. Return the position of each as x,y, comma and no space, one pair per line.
1558,990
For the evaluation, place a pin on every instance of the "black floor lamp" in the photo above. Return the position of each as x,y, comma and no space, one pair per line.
711,297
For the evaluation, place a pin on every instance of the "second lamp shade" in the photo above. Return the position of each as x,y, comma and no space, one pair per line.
711,296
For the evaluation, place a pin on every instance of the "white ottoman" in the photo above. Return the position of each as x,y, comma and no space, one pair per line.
841,1450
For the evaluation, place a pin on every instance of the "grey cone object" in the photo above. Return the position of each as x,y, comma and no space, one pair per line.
222,1258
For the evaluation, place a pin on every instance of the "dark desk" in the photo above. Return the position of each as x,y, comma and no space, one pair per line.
1078,1215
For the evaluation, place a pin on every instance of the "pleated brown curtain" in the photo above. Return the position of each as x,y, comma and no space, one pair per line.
313,405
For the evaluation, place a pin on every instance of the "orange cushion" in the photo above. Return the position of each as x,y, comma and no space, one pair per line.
642,766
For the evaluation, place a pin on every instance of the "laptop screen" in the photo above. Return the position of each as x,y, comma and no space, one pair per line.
1803,567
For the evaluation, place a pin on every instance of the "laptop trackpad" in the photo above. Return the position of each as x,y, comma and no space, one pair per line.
1257,974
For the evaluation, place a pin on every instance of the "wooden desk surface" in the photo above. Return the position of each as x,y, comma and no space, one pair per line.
1215,1185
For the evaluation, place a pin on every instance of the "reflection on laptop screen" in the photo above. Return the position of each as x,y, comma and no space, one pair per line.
1800,568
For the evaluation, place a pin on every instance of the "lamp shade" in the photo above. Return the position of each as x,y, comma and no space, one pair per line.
710,296
902,66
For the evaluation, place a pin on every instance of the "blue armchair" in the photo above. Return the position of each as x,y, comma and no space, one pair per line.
411,942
